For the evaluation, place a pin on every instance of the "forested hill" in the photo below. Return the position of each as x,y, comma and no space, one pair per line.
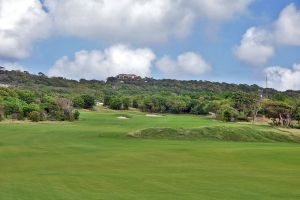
41,82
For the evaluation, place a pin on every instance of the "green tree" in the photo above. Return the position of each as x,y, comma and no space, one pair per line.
126,103
28,108
115,103
78,102
279,112
89,101
227,113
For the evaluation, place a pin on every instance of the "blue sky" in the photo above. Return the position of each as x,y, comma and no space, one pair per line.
183,42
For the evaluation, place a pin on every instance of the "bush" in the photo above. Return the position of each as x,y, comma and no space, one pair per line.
89,101
78,102
126,103
76,115
227,114
34,116
1,118
28,108
135,103
115,104
106,101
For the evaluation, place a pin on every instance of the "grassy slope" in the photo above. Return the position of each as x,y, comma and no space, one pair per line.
94,159
219,133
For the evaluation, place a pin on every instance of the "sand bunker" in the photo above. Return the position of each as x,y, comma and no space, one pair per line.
153,115
122,117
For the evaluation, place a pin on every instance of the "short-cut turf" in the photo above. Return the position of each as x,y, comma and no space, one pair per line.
94,159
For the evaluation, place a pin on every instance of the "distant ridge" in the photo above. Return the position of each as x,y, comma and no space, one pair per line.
26,80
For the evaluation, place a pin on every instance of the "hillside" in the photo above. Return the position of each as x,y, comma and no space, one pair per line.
60,85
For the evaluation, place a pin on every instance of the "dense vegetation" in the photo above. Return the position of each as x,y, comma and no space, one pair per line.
21,104
228,102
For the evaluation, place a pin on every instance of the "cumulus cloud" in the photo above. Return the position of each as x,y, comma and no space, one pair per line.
102,64
12,66
138,21
220,10
287,27
187,64
21,23
259,43
256,47
283,79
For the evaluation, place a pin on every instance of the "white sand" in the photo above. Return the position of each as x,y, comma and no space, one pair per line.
152,115
122,117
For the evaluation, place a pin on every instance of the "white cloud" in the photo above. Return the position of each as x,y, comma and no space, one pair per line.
138,21
220,10
21,23
287,27
102,64
283,79
12,66
187,64
259,43
255,47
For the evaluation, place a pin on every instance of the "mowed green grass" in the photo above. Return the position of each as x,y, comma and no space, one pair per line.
94,159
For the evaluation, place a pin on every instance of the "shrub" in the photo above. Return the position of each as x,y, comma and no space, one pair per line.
78,102
89,101
34,116
227,114
106,101
115,104
135,103
76,115
126,103
28,108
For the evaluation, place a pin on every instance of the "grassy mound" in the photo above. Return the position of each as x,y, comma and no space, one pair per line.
219,133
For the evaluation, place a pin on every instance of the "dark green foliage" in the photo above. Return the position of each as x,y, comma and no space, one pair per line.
26,96
78,102
89,101
126,103
228,101
115,103
13,106
135,103
21,104
297,116
107,100
34,116
28,108
227,114
1,111
76,115
279,112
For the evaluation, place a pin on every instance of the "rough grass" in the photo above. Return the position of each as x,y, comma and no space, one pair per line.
219,133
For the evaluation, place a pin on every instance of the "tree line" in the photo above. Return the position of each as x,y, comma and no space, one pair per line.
56,98
226,106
